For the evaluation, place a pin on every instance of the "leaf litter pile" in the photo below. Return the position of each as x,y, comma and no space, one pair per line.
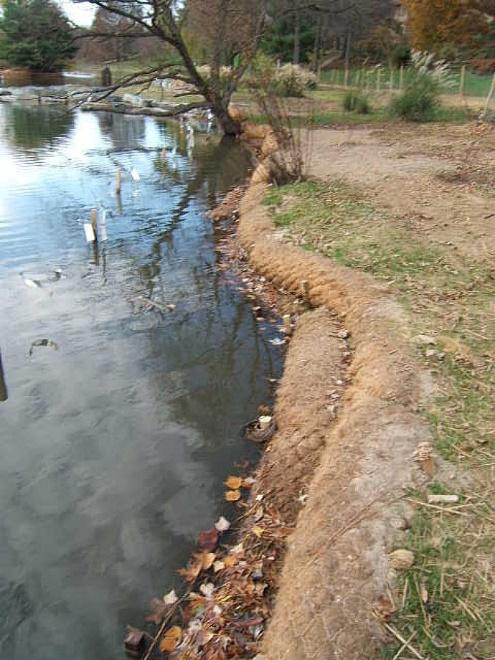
229,589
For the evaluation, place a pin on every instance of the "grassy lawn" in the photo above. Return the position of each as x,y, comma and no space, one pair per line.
446,602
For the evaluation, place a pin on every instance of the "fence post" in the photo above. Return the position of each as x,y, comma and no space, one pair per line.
463,80
401,79
490,94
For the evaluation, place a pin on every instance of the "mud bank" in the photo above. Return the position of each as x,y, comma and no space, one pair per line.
347,466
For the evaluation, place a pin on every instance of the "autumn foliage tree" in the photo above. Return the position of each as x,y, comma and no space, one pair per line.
434,24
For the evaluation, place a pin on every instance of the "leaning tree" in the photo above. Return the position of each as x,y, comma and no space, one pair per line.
232,30
229,31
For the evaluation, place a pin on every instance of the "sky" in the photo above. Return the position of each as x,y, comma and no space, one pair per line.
82,14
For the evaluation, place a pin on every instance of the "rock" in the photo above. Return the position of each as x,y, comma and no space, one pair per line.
401,559
425,340
5,92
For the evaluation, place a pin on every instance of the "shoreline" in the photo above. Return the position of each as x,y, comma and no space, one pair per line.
324,510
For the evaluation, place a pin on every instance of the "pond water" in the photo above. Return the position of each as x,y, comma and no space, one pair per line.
117,425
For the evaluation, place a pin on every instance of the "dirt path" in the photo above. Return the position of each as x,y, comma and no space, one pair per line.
438,179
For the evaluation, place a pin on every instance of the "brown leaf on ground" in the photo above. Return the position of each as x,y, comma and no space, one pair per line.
234,483
233,495
171,639
207,559
230,561
208,540
384,609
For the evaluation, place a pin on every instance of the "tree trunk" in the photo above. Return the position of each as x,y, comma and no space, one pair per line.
228,125
297,36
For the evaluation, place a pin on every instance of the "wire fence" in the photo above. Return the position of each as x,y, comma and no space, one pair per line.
464,82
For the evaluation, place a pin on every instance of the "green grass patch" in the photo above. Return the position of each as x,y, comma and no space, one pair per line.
440,597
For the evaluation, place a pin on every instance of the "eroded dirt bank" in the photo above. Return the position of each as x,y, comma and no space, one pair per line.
337,570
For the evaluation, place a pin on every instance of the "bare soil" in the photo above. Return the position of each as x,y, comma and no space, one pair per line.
438,178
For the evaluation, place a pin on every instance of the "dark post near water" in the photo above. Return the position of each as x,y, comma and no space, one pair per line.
106,77
3,386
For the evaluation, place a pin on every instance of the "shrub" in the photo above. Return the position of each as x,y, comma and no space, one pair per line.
289,80
292,80
421,98
355,102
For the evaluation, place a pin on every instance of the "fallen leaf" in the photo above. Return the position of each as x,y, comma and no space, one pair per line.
258,531
230,561
171,639
428,467
424,594
159,610
222,524
234,483
233,495
203,637
218,566
208,540
207,589
170,598
384,609
193,569
248,482
207,559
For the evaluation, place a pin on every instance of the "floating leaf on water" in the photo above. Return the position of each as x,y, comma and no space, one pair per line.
234,483
48,343
208,540
159,610
233,495
222,524
171,639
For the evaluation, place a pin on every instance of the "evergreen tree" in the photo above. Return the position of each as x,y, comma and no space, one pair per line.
35,34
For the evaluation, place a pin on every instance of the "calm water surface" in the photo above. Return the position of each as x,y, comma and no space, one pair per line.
114,446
